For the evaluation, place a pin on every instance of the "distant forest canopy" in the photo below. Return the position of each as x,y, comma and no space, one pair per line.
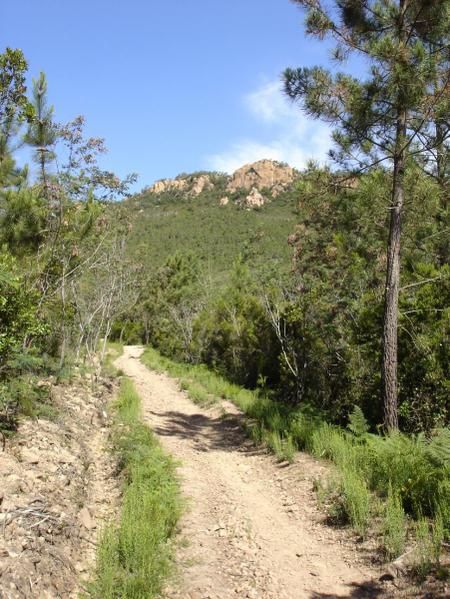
288,296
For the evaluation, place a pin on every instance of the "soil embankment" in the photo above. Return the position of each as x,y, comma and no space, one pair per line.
57,489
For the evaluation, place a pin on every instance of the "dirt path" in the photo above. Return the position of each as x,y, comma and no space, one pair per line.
252,529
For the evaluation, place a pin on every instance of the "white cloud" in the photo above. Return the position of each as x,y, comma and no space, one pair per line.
268,103
296,138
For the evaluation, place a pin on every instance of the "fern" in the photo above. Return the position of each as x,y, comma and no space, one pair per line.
438,449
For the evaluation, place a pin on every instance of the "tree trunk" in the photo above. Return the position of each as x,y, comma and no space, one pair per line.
390,321
442,159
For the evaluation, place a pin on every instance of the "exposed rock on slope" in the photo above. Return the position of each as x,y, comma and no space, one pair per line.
264,174
168,185
201,183
193,185
255,199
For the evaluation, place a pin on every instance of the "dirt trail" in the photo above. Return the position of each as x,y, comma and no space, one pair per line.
252,528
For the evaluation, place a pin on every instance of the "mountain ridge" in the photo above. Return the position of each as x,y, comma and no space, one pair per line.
268,176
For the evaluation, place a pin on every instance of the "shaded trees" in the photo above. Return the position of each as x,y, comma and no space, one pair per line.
378,119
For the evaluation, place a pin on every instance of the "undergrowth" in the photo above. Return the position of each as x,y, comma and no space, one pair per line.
399,480
134,556
114,350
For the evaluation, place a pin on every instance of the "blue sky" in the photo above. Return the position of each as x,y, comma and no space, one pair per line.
173,86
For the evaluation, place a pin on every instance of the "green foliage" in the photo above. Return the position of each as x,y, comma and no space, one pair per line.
18,314
357,422
13,100
42,133
355,499
425,547
394,526
404,462
233,334
215,271
171,305
60,278
390,115
23,221
134,557
404,67
409,474
215,235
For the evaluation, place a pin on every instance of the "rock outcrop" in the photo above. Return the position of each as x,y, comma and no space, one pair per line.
264,174
254,199
193,186
249,181
169,185
201,183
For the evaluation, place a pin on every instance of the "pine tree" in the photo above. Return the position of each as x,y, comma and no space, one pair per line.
379,119
14,108
13,100
11,176
436,137
42,132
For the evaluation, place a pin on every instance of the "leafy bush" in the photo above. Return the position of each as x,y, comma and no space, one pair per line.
233,334
18,313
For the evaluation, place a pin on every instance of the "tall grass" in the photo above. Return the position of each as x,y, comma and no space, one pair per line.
409,475
394,528
134,556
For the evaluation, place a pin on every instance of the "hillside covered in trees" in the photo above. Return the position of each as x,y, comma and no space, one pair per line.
288,294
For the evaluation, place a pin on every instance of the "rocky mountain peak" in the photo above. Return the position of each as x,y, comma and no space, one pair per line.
267,176
263,174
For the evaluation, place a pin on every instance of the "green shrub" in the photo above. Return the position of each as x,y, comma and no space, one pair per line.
22,396
443,505
355,500
282,446
330,442
302,428
425,548
198,394
394,533
403,461
438,535
289,448
357,422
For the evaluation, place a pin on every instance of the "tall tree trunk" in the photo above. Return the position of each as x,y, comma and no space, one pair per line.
442,160
390,322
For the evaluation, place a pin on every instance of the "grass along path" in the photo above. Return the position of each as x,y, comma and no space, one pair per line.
397,488
134,556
